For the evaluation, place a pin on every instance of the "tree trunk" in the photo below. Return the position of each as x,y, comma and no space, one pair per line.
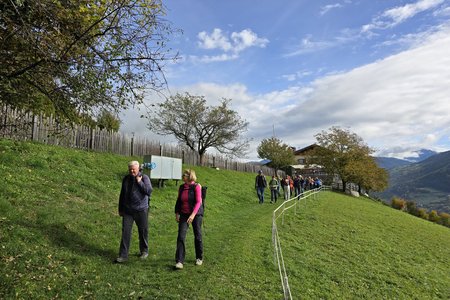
344,185
201,157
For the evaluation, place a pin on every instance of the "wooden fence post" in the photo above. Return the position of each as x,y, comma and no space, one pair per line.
132,145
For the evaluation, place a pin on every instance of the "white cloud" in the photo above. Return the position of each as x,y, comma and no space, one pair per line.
397,15
239,40
401,102
443,12
308,45
213,58
297,75
327,8
396,105
215,40
246,39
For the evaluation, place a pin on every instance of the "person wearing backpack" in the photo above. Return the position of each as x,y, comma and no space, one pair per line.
189,210
273,184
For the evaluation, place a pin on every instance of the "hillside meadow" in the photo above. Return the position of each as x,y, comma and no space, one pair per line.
60,232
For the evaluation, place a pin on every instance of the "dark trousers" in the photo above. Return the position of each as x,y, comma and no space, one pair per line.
273,195
298,191
182,230
141,219
260,192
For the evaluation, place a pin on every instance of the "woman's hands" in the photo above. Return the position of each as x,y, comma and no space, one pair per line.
191,218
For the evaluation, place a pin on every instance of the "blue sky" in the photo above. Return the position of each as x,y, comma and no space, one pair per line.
378,68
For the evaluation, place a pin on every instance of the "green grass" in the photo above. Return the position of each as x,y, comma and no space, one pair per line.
60,231
339,247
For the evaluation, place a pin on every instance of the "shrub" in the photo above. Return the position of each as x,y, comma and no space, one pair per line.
398,203
444,219
411,207
433,216
422,213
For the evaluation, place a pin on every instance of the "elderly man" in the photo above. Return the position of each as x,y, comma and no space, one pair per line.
133,207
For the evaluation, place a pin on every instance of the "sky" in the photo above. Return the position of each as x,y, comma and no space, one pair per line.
295,68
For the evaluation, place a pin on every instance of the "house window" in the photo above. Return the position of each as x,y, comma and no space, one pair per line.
301,161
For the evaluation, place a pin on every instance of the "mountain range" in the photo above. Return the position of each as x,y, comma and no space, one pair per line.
426,182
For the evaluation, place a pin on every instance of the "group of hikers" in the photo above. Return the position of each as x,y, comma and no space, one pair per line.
295,186
135,197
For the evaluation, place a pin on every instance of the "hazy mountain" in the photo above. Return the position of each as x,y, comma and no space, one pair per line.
422,154
426,182
390,162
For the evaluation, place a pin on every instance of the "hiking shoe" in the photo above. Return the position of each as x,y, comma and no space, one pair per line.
198,262
178,266
121,260
144,255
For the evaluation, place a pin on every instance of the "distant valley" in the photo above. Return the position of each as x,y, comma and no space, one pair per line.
426,181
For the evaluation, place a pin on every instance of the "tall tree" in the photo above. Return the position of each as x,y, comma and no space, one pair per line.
345,154
199,126
279,153
108,120
365,172
76,57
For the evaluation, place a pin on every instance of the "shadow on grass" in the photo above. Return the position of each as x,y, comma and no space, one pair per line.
61,236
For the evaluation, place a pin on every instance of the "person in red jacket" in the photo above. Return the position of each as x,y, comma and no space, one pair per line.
189,210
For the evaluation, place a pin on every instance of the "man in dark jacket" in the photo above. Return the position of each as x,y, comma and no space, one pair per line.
133,207
260,185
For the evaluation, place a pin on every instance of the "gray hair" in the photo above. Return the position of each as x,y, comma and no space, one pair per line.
133,163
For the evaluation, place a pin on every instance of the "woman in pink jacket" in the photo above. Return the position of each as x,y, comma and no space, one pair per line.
189,210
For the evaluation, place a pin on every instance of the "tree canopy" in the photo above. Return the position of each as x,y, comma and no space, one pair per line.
109,121
77,57
279,153
200,127
345,154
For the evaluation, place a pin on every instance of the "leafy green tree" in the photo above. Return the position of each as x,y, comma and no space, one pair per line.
73,57
109,121
365,172
279,153
200,127
345,154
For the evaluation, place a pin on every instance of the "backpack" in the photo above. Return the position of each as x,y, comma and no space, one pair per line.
204,189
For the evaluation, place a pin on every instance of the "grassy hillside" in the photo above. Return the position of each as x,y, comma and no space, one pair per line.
340,247
59,233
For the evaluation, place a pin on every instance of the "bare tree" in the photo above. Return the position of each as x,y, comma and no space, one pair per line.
200,127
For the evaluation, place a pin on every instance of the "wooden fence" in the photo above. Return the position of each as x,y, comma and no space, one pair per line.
25,126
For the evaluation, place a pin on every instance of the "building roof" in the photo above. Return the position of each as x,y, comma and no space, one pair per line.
305,149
